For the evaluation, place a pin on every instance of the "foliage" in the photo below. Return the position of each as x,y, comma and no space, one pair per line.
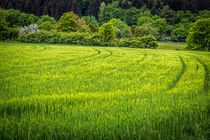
107,31
199,35
55,37
144,20
101,12
29,29
97,40
147,41
3,21
131,15
168,14
16,18
128,16
8,33
46,18
5,31
92,28
179,34
91,20
139,31
55,8
155,24
68,22
124,30
161,24
66,38
47,25
204,14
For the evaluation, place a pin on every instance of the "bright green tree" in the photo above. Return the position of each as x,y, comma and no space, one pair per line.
199,35
124,30
47,18
107,31
5,31
139,31
101,12
161,24
179,34
144,20
91,20
68,22
47,25
155,24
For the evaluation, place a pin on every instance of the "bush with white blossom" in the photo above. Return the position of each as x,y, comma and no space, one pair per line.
29,29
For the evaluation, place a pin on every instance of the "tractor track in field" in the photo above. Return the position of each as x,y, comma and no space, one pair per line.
110,54
100,57
115,69
174,83
66,63
69,60
206,79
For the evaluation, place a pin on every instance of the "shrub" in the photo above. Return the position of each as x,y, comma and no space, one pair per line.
55,37
199,35
86,39
29,29
148,41
90,20
8,33
153,30
144,20
139,31
47,26
46,18
107,31
92,28
16,18
122,29
68,22
179,34
156,25
66,38
97,40
5,31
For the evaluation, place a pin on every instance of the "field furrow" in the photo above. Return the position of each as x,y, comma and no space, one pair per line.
206,79
179,75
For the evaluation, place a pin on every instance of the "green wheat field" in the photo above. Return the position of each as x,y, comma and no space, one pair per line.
84,92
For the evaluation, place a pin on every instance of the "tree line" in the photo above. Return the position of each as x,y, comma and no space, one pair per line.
127,28
56,8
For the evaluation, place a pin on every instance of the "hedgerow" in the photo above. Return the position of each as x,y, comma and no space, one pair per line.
87,39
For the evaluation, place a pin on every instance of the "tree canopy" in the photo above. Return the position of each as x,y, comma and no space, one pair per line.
56,8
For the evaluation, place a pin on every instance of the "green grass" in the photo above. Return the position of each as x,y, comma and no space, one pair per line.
171,46
78,92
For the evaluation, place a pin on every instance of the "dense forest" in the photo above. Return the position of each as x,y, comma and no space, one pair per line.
56,8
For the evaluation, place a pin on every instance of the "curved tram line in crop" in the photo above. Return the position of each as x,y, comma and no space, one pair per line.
67,92
179,75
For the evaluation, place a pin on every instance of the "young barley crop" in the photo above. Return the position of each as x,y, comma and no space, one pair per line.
67,92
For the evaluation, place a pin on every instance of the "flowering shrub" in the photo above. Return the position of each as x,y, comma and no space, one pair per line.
29,29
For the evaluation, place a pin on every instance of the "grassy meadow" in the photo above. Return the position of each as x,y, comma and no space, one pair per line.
83,92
